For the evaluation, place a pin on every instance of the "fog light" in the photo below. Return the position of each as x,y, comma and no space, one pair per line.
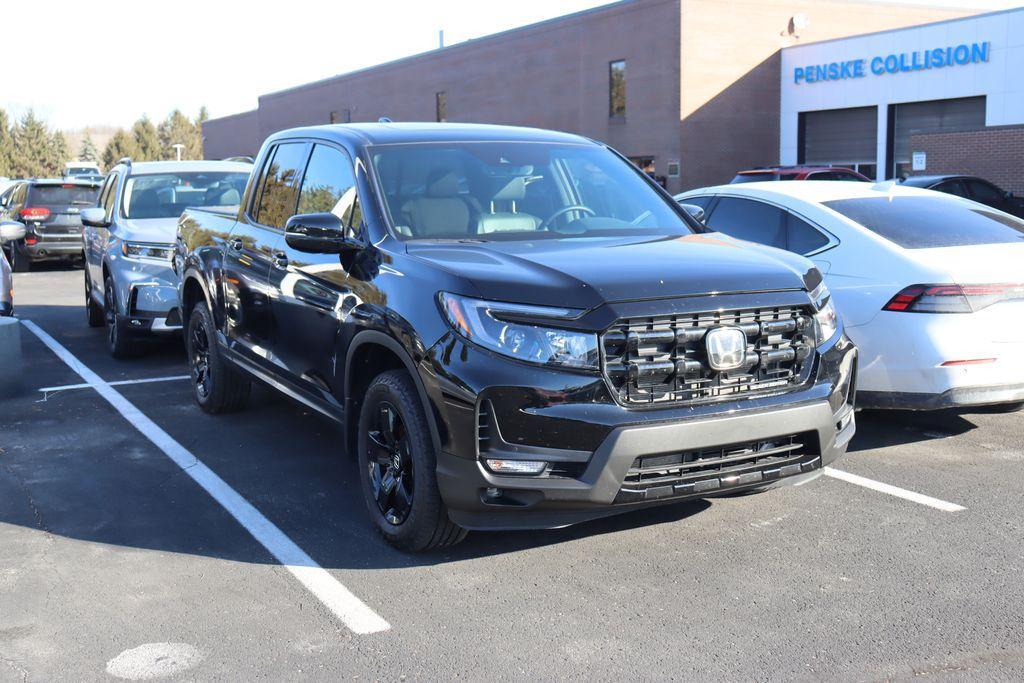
516,466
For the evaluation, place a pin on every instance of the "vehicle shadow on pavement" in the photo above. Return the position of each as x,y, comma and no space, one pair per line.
883,428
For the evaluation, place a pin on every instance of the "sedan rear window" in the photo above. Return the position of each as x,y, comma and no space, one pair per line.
926,222
755,177
63,195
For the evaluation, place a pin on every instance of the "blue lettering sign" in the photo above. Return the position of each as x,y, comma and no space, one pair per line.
918,60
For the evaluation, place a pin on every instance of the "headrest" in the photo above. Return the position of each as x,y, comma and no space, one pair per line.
513,190
442,182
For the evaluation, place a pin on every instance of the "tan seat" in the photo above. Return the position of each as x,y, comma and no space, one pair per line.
442,212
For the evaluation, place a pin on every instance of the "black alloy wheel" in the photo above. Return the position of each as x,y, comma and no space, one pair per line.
390,465
199,361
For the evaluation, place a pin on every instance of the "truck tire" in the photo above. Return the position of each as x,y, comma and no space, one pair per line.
119,341
93,311
216,386
398,467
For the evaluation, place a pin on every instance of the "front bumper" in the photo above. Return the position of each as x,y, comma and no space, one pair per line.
593,445
147,294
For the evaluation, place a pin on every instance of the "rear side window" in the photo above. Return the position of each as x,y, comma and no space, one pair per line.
984,193
63,195
281,184
702,201
749,220
802,237
926,222
329,186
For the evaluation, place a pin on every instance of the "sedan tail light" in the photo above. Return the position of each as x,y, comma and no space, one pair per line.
34,213
952,298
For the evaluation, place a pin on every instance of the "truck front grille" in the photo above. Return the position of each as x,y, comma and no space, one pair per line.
709,469
663,360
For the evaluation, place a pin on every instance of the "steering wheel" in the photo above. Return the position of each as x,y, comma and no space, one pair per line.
564,210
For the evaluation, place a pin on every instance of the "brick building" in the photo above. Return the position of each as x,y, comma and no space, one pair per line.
995,153
690,85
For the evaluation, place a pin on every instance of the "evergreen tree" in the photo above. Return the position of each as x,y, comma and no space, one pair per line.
147,141
87,151
179,129
6,146
122,144
35,151
59,151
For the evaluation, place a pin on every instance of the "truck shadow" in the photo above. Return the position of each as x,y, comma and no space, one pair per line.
884,428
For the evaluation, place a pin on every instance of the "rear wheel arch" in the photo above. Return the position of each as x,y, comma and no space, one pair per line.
370,354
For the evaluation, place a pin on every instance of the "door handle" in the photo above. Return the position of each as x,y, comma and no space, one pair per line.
236,244
281,259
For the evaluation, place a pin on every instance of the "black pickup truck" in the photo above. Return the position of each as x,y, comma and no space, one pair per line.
516,328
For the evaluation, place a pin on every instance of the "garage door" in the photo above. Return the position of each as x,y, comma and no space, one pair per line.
840,137
937,116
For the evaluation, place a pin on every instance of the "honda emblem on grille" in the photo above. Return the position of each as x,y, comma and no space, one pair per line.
727,348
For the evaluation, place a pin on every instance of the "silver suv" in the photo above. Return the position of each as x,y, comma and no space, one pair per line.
10,231
130,287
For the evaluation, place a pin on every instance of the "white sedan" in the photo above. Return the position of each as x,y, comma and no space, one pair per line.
930,286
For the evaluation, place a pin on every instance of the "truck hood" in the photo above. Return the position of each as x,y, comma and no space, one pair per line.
155,230
587,272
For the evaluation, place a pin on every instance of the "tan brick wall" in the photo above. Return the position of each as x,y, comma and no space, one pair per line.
996,154
730,72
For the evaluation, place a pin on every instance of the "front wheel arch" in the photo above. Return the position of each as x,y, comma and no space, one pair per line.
371,353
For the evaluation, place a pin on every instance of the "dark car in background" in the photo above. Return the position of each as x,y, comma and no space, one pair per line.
971,187
769,173
49,209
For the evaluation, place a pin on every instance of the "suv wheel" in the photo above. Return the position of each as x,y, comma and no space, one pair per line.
398,467
216,386
118,340
20,262
94,312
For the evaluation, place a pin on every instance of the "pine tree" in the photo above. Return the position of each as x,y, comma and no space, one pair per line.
178,129
35,151
122,144
6,146
147,141
59,151
87,150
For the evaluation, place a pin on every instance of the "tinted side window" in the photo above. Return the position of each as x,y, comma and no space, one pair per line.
749,220
281,184
984,193
329,186
110,196
802,237
916,222
702,201
954,187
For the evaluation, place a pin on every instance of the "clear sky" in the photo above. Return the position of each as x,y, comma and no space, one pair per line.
81,63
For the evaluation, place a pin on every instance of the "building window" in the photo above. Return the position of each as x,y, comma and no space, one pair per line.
343,116
673,169
441,105
617,89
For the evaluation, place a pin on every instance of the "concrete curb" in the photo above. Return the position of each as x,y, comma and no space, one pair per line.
10,357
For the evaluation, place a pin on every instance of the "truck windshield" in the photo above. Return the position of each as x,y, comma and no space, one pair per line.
518,190
166,195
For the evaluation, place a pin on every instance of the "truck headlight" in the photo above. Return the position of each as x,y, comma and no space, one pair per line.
141,250
826,319
508,329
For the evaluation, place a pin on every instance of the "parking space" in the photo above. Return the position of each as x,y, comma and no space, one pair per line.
111,545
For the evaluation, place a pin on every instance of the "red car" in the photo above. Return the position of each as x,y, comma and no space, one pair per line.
757,175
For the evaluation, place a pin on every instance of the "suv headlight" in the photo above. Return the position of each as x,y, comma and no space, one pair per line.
141,250
507,329
826,319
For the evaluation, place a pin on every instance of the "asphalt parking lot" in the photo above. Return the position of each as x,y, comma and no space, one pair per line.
118,560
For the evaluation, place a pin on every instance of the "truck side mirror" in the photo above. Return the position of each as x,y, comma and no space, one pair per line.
94,217
11,231
695,211
319,233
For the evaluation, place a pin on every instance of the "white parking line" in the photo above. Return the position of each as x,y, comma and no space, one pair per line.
894,491
352,611
119,383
